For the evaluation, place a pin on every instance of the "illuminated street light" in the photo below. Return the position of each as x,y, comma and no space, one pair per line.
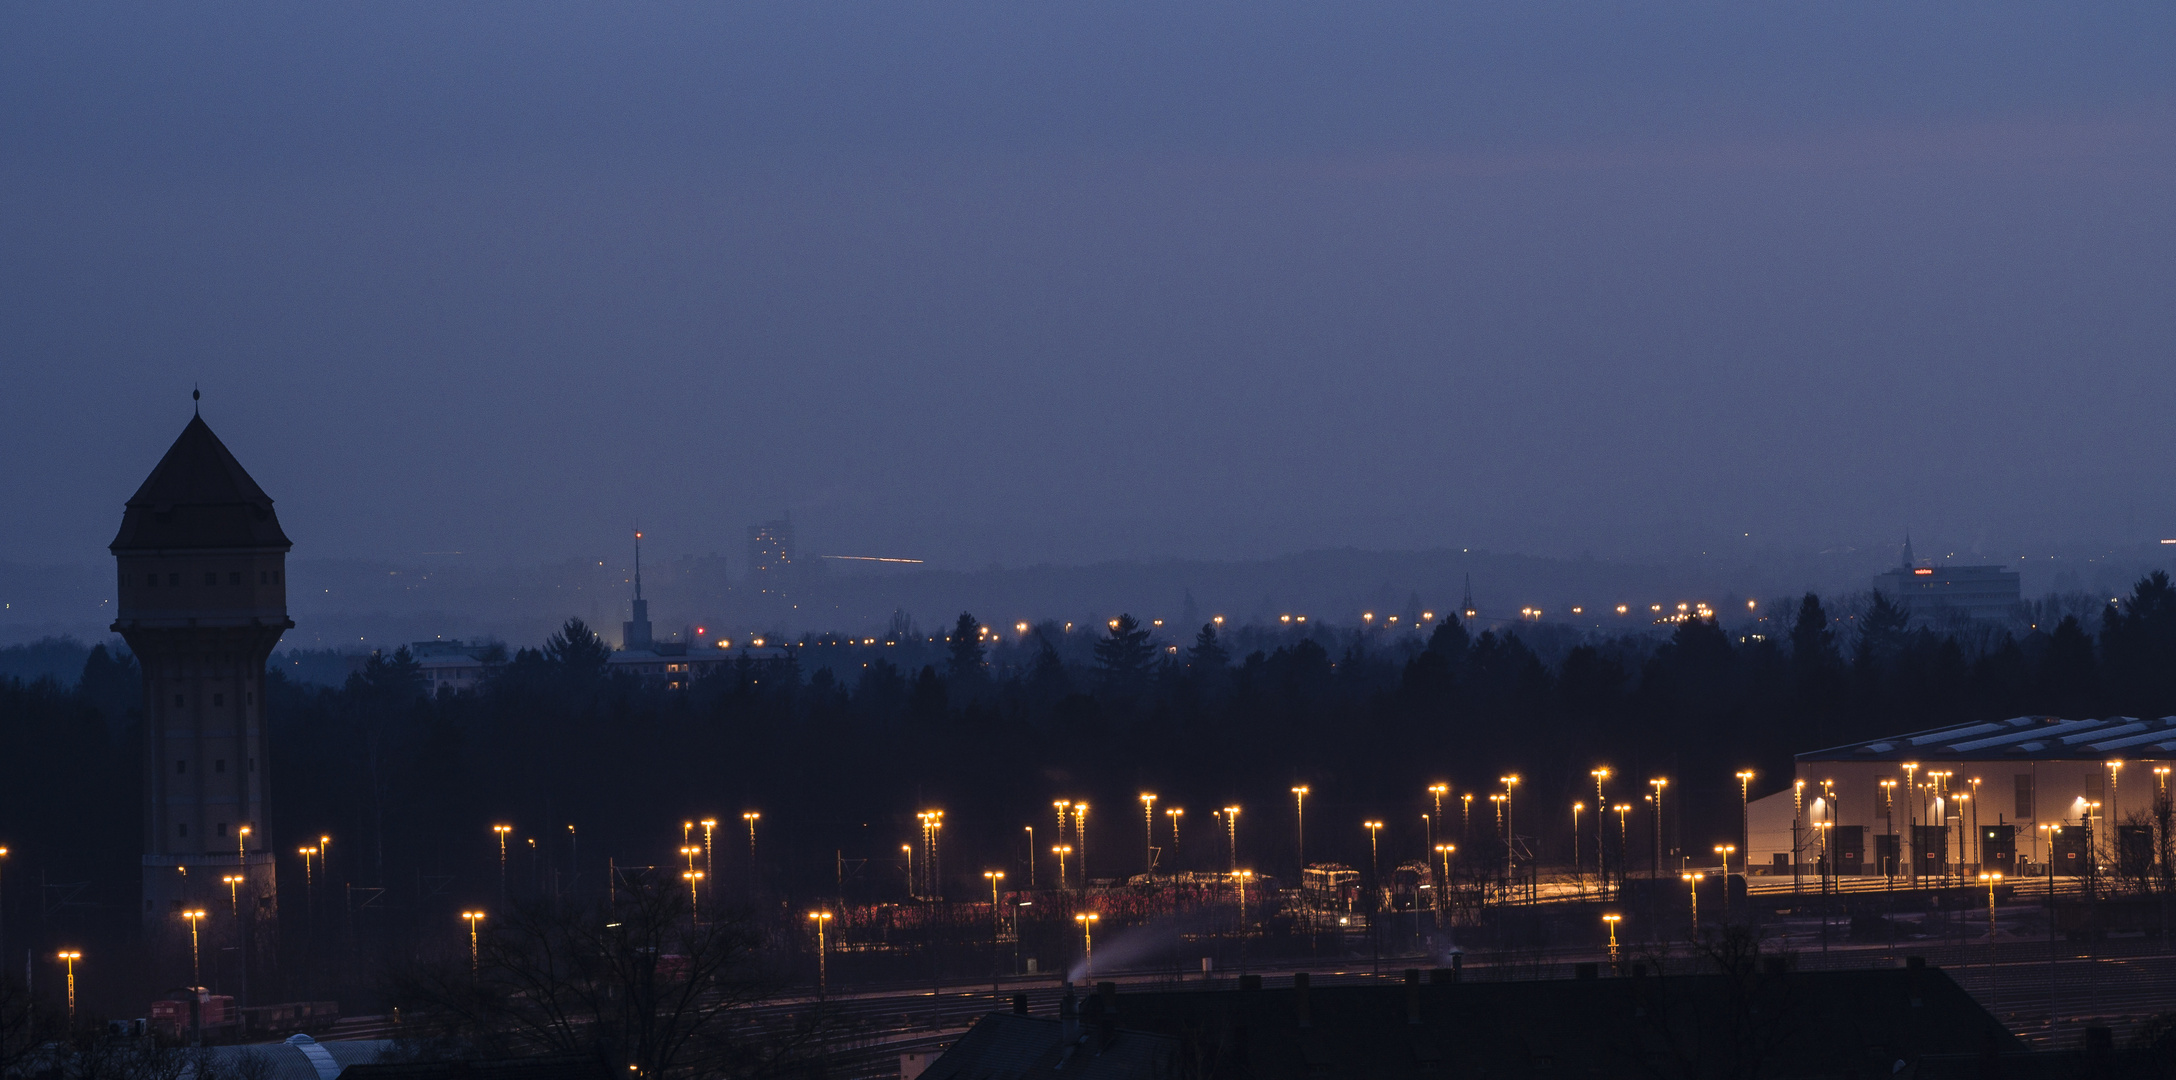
1087,921
1299,823
69,957
473,918
1611,921
502,830
751,817
710,863
1061,851
196,965
233,882
823,954
1658,784
1726,851
1148,823
1601,810
1231,830
1375,829
1436,791
1692,882
695,882
1175,813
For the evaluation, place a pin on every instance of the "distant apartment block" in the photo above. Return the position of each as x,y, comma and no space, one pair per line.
770,554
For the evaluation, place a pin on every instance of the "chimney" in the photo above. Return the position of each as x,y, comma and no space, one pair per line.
1412,996
1299,999
1068,1017
1019,1004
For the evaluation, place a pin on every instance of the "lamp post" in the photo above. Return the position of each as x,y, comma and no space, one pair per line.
751,817
908,851
233,882
823,954
1579,867
1910,845
1438,791
1993,984
993,877
1061,851
1231,829
1443,884
1465,823
1658,784
1080,839
1611,920
1726,851
695,882
1148,825
472,917
1692,883
1175,813
69,957
1087,921
1299,824
196,963
1511,827
1624,844
1745,808
710,851
1601,811
502,830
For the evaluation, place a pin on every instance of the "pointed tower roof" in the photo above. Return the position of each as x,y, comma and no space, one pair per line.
199,498
1908,563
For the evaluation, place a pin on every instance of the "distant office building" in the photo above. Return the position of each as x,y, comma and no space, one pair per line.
770,553
1980,592
202,600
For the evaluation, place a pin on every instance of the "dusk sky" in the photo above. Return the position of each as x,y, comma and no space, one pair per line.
1025,283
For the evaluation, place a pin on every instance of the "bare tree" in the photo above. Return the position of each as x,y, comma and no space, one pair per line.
644,982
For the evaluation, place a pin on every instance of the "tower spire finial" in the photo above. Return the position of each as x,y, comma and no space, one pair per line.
196,399
638,564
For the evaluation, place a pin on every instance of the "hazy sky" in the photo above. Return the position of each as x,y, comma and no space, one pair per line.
1034,282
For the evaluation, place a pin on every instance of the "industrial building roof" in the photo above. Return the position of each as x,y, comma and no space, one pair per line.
2036,738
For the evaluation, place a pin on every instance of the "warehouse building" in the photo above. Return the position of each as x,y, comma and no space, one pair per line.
2011,796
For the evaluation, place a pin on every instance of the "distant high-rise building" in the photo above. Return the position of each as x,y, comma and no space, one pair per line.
635,632
1980,592
1465,602
202,600
770,554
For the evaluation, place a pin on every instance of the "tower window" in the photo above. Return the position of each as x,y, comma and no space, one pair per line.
151,581
219,765
173,579
275,577
181,768
263,578
234,578
185,832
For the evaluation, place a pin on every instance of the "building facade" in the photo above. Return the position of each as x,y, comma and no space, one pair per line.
202,599
2016,796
